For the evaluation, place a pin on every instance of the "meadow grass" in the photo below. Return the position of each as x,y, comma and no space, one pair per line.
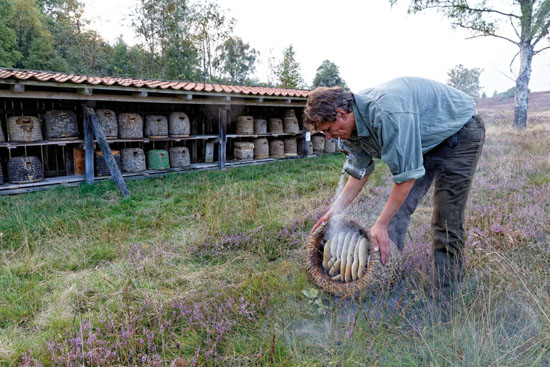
207,268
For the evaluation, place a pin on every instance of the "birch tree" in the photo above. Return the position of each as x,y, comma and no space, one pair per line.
524,23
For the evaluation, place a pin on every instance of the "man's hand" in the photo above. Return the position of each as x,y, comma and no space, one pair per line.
323,221
381,241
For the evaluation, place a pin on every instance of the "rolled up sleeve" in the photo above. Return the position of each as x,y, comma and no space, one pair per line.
358,158
402,146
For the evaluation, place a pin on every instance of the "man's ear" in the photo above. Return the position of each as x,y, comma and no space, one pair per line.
342,113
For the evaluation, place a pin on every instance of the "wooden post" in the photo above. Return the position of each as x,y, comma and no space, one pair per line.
222,123
88,150
106,150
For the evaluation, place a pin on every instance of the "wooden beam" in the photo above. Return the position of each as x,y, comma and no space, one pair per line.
150,99
260,99
90,115
88,151
289,101
117,88
17,88
141,94
222,123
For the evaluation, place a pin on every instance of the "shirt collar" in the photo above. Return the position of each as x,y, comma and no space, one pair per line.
360,123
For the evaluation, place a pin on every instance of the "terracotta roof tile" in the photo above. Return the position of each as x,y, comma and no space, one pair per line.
153,84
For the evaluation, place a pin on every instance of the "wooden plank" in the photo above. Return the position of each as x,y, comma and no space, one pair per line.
222,123
90,115
17,88
151,99
115,88
209,152
88,151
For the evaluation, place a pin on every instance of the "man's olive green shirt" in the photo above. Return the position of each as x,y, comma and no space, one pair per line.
403,119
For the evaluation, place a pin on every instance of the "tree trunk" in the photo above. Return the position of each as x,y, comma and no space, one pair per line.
522,83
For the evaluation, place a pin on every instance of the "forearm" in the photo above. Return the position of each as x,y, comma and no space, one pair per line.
397,197
349,193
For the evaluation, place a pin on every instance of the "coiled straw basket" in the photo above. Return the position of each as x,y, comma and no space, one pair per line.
376,276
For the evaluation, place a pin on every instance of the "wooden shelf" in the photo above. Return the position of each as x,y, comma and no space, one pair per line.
261,135
15,144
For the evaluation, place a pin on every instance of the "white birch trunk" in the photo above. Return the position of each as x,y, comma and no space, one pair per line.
522,83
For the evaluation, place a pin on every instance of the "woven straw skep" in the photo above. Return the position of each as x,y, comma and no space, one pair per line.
24,128
156,126
376,276
108,122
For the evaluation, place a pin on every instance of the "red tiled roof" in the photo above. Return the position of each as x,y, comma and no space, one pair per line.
47,76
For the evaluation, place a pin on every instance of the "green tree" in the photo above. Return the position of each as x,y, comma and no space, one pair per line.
34,40
238,60
328,75
464,79
8,40
211,29
164,27
288,70
528,21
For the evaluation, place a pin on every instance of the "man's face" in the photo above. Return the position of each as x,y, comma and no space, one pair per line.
341,128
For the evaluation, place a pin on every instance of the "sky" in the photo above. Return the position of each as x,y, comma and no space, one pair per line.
370,41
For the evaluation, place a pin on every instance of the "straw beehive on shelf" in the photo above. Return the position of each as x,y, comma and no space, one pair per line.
158,159
243,151
261,148
330,146
24,129
156,126
179,157
61,125
108,122
133,160
245,125
179,125
130,126
275,126
291,147
260,126
318,143
102,169
276,148
25,170
343,262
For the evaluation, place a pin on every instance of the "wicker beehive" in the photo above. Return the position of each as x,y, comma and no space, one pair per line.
133,160
158,159
260,126
24,128
25,170
275,126
108,122
291,147
318,142
243,151
179,157
130,126
375,276
178,125
290,125
245,125
101,167
290,113
330,146
61,125
309,150
276,148
261,148
156,126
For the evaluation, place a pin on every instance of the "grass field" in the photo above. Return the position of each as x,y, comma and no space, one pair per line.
207,268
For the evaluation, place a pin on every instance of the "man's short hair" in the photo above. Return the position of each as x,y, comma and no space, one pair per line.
322,103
